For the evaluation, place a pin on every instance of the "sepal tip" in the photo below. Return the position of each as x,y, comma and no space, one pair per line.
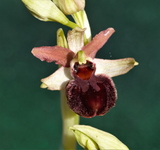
43,86
136,63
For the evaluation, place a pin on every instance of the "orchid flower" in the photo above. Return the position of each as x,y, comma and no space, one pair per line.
84,81
90,90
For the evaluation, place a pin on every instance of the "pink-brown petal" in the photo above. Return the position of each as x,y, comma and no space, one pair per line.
98,41
60,55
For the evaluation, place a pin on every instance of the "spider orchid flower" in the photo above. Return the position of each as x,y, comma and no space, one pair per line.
90,90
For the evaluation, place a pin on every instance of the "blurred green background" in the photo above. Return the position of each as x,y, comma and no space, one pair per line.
30,117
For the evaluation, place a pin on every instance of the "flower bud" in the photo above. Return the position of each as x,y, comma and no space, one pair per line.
46,10
91,138
69,7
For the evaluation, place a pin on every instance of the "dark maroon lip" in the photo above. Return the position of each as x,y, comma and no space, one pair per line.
88,94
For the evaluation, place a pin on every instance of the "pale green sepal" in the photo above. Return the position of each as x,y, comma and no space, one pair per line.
115,67
61,39
75,39
46,10
94,139
57,80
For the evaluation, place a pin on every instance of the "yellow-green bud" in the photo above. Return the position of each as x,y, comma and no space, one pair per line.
69,7
91,138
46,10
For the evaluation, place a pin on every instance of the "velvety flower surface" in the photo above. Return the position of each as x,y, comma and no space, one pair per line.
90,90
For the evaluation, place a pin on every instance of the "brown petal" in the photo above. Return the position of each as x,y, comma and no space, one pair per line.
98,41
60,55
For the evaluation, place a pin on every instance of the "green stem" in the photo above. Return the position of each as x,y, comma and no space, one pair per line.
69,118
71,24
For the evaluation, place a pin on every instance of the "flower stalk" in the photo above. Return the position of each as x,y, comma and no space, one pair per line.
69,119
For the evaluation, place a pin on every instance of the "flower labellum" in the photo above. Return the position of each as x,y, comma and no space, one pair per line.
88,94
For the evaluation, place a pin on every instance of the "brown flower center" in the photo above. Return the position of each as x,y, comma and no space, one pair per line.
84,71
